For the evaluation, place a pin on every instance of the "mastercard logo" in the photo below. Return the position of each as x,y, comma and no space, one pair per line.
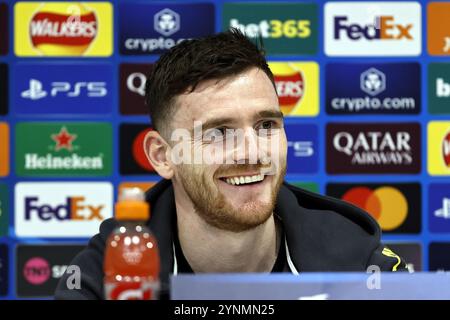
63,29
386,204
297,85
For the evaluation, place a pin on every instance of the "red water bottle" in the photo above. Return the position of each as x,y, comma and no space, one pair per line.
131,263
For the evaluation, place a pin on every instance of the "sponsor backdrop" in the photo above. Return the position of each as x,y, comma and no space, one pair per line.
365,87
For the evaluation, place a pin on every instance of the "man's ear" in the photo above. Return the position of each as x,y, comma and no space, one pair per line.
156,148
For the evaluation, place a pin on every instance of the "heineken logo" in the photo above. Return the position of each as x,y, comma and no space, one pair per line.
63,139
64,149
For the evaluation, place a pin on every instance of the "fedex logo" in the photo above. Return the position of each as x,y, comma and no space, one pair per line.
373,28
75,208
384,28
61,209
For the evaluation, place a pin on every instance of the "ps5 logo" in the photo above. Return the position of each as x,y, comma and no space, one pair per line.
444,212
302,148
36,90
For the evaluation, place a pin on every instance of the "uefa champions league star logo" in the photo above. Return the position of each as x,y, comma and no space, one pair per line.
167,22
373,81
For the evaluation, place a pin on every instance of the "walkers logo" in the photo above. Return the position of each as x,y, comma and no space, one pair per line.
439,88
4,39
147,28
438,36
4,92
396,207
439,148
373,148
132,156
373,29
410,252
61,209
4,274
4,210
63,29
297,86
286,28
69,149
303,149
363,88
4,149
39,267
439,259
63,88
132,88
439,207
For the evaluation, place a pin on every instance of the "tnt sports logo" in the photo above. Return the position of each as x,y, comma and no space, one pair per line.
169,25
297,85
40,267
373,148
373,29
303,149
438,17
392,88
439,148
4,149
396,207
287,28
63,29
61,209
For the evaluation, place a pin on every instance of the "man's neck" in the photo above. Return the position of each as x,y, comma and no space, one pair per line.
213,250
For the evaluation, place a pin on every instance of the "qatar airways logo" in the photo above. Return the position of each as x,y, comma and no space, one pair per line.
373,148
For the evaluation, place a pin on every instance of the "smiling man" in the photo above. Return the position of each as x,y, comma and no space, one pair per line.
223,205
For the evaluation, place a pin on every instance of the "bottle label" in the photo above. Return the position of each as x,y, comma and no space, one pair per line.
136,290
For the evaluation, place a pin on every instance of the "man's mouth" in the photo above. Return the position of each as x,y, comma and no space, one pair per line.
243,180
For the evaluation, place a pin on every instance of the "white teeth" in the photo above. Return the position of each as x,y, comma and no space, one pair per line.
243,180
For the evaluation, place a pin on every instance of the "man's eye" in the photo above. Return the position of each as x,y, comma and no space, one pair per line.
215,133
267,125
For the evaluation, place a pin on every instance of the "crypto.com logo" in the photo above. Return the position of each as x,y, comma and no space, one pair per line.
230,146
166,22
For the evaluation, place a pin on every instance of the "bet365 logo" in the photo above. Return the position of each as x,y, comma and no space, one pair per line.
275,28
287,28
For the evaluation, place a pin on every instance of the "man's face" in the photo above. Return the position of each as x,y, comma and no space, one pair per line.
237,123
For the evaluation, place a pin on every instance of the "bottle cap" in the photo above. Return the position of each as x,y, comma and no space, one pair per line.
132,205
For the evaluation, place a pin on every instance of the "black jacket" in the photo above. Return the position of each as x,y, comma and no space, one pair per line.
321,233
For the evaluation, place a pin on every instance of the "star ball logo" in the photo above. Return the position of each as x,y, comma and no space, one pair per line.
396,207
373,148
63,29
148,28
63,149
297,85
